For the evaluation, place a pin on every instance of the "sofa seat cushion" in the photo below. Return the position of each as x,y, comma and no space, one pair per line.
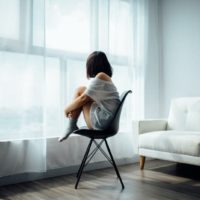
179,142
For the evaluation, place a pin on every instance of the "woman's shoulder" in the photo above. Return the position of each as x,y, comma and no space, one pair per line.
103,76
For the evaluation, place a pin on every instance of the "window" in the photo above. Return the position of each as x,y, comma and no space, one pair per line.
119,32
68,25
122,72
10,19
53,112
36,88
21,105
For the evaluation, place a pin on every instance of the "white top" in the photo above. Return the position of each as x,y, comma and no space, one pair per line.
106,98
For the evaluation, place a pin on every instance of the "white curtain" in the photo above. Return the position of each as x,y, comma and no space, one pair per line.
43,49
80,28
145,60
22,88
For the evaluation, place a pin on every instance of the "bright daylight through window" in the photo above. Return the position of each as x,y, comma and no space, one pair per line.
43,49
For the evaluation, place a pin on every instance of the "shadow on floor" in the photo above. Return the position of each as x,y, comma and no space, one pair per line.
182,170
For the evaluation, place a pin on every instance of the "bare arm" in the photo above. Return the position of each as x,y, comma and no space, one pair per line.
77,103
83,99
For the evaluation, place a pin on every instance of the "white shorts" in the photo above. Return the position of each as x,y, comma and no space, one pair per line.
99,118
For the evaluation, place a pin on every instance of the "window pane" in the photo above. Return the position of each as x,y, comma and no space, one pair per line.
21,105
52,100
38,22
119,31
9,18
76,76
122,73
68,25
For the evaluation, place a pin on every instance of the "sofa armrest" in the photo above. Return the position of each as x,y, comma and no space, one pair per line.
149,125
145,126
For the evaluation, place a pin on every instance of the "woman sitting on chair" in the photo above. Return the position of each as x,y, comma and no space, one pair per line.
98,101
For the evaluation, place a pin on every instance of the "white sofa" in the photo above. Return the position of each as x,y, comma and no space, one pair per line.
176,139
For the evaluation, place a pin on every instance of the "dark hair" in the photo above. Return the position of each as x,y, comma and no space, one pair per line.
98,62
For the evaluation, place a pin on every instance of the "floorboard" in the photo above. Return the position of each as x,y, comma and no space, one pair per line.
160,180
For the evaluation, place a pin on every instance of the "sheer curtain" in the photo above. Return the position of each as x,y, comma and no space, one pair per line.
73,31
134,34
44,45
22,88
145,60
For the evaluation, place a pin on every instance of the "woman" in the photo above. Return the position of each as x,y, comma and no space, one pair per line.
98,101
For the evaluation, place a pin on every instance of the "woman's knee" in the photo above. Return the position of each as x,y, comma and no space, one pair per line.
80,90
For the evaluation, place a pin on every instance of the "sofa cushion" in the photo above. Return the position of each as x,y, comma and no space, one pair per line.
179,142
184,114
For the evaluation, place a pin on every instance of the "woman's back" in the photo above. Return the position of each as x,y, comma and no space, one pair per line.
106,101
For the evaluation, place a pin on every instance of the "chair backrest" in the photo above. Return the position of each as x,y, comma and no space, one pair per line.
114,125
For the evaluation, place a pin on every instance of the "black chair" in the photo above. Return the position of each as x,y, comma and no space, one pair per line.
111,130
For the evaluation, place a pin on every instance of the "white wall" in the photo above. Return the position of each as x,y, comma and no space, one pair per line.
180,67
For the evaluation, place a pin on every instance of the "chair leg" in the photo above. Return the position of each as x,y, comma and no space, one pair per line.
114,165
142,161
84,157
83,163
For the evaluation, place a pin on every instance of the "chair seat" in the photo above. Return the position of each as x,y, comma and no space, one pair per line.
93,134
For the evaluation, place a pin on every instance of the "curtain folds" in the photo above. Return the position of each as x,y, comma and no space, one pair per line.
43,49
22,88
145,60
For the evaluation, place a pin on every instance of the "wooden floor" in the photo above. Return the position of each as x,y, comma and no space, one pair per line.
159,180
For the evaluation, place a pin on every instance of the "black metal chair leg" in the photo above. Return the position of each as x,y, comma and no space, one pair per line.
84,157
93,134
83,163
114,165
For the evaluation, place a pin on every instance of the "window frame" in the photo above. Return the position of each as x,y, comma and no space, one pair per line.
25,43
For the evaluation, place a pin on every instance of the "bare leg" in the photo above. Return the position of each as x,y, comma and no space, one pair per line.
86,108
76,113
72,125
